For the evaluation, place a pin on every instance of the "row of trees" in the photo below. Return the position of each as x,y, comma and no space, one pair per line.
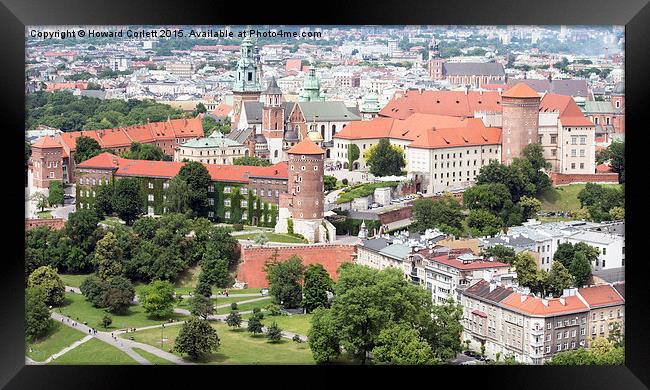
504,195
87,147
571,268
602,203
63,110
153,249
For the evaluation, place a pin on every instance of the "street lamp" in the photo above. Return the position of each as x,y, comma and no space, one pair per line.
162,328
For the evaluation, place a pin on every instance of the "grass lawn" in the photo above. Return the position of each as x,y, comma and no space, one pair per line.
58,337
76,307
73,280
273,237
564,198
297,323
188,278
44,214
155,359
113,221
185,304
237,347
94,352
247,306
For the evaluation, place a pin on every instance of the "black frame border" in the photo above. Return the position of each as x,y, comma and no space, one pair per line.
634,14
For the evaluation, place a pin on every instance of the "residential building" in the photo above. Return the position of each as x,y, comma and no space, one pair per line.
214,149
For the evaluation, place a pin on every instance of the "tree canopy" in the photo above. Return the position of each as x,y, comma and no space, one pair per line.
444,214
385,159
158,298
197,338
284,279
251,161
317,284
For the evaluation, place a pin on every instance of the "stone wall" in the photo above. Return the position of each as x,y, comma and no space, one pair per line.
568,178
53,223
253,259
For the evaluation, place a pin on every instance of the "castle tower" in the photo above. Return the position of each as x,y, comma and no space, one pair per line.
311,87
47,162
303,204
273,120
247,87
435,62
520,117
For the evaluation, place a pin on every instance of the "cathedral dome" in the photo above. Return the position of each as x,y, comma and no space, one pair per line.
315,136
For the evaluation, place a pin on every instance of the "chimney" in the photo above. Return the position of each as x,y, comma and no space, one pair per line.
562,301
522,298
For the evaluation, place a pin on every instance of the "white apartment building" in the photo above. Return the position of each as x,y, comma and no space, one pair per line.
610,246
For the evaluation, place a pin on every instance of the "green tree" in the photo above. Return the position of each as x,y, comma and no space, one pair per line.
484,223
40,199
234,319
118,294
444,332
616,336
617,213
284,281
580,269
251,161
527,273
197,339
145,227
317,284
201,306
400,344
178,196
86,148
209,124
108,257
56,193
93,289
502,253
444,214
353,155
255,324
559,279
140,151
47,280
128,199
491,197
323,336
512,176
200,109
385,159
615,155
104,201
158,298
203,287
329,183
530,206
106,321
198,179
274,333
37,315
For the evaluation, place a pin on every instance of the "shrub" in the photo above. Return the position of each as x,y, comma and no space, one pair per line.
345,182
273,310
233,306
258,312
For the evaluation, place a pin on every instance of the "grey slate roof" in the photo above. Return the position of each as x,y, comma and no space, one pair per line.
560,87
326,111
396,251
473,68
595,107
253,112
620,287
239,135
273,88
611,275
376,244
481,289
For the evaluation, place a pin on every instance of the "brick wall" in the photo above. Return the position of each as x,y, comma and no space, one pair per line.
395,215
251,268
53,223
568,178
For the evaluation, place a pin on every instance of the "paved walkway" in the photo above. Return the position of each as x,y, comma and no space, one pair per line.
124,345
61,352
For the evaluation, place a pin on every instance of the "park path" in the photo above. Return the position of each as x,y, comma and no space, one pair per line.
122,344
61,352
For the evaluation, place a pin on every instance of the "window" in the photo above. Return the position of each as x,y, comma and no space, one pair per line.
165,185
566,334
210,188
261,192
211,201
548,326
150,197
573,333
244,215
573,165
227,189
548,349
553,139
244,203
583,331
559,335
566,346
211,214
244,191
226,214
559,324
226,202
150,185
277,194
573,153
559,347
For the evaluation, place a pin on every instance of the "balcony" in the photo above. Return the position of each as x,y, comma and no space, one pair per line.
537,331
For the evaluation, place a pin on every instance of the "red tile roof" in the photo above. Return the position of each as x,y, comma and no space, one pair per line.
169,169
451,103
522,91
474,133
534,306
222,109
458,264
603,168
70,85
124,136
46,142
293,64
306,146
569,112
603,295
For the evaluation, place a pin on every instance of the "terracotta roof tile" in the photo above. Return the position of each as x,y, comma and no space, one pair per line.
521,90
450,103
46,142
306,146
603,295
535,306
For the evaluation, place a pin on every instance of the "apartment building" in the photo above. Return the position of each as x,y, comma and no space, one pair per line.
512,322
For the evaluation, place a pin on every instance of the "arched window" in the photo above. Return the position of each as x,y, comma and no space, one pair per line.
275,153
333,129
